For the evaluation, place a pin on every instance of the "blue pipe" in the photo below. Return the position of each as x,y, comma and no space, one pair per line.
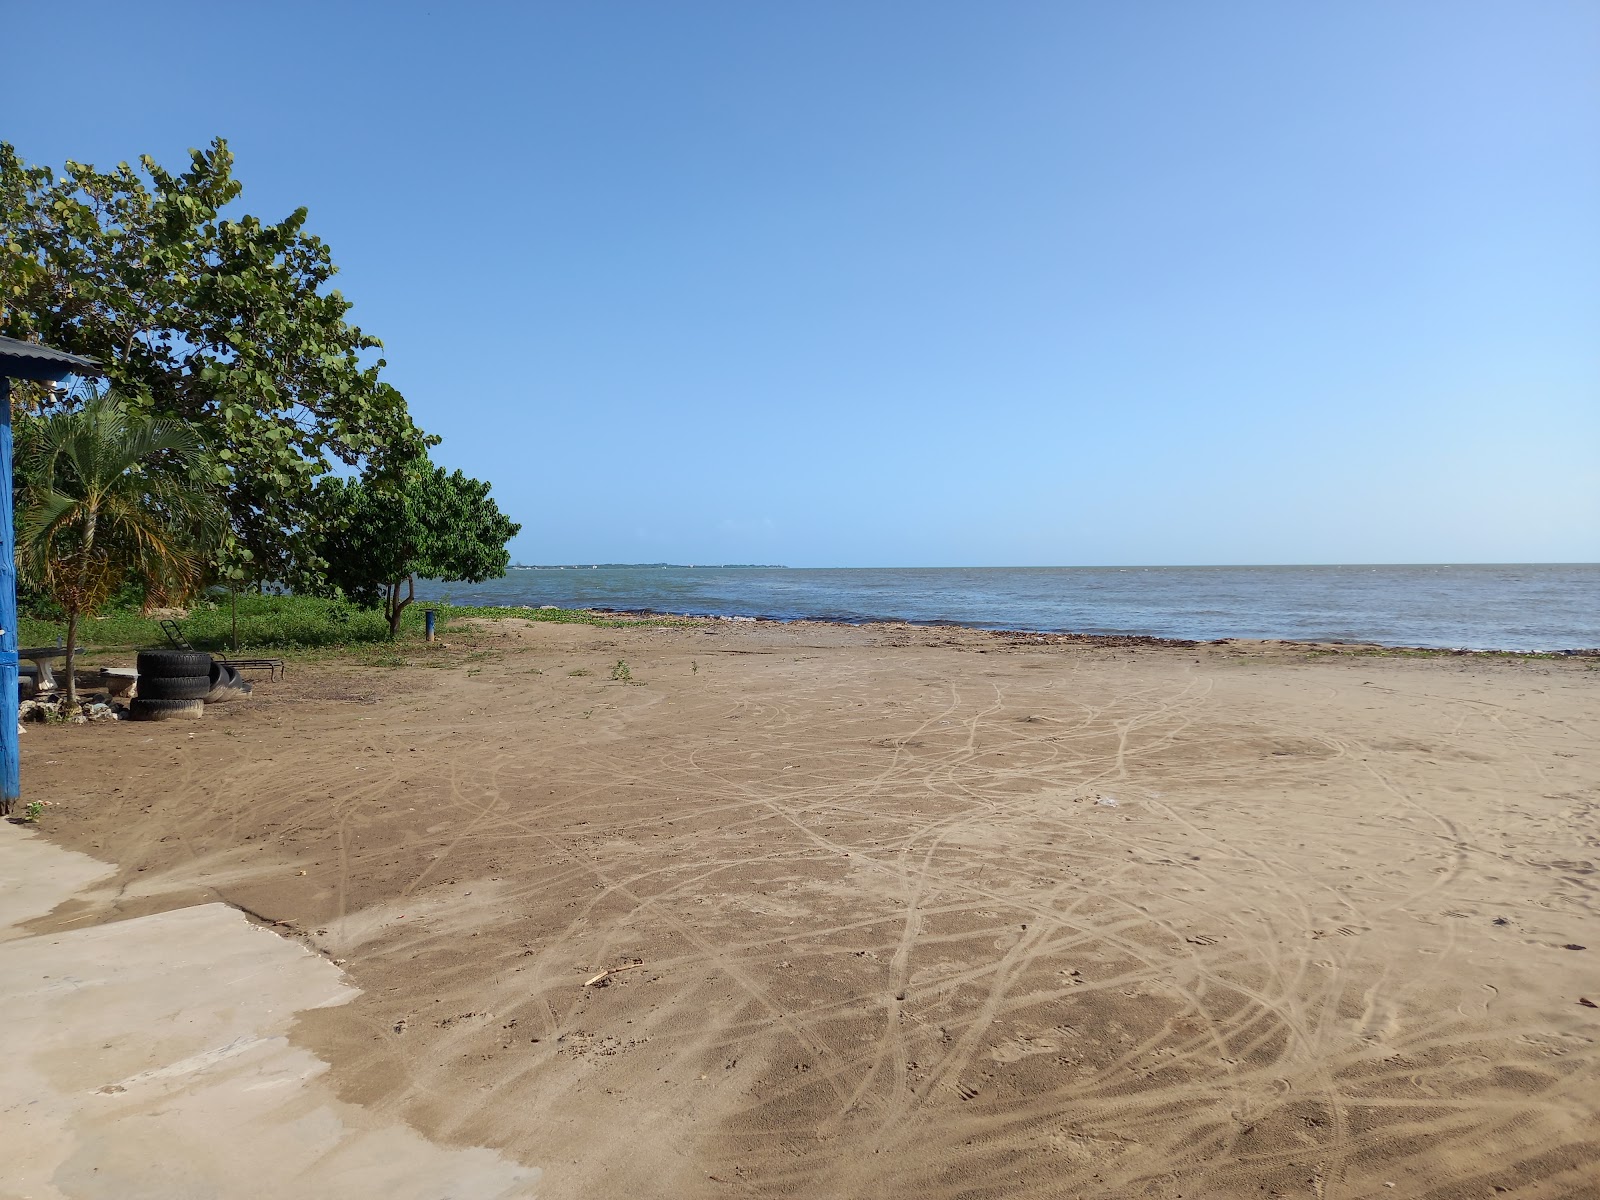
10,745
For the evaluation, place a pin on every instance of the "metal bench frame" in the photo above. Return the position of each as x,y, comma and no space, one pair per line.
274,667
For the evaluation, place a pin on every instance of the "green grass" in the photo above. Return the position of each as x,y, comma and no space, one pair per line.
265,623
301,626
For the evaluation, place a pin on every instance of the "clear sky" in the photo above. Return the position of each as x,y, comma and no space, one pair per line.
923,283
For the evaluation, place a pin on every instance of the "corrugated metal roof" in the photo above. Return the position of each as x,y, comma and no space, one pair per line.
30,360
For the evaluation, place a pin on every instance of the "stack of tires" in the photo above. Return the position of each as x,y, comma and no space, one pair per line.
172,684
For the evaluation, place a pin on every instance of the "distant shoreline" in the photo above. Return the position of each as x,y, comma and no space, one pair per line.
1088,567
1110,639
1539,608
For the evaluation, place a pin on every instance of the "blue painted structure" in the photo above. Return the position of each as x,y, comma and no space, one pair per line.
18,360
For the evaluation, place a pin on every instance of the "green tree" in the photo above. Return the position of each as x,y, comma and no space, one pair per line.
109,496
227,325
379,536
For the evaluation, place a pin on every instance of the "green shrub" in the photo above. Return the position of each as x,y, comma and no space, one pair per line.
280,622
265,623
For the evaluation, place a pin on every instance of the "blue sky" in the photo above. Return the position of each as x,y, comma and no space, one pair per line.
925,283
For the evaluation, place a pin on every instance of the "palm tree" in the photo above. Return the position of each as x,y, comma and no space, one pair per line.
111,495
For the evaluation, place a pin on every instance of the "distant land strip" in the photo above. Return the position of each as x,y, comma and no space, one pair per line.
640,566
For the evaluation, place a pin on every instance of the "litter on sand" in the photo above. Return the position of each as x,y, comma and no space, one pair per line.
611,971
1108,801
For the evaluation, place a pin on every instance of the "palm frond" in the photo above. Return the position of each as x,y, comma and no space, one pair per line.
111,492
44,521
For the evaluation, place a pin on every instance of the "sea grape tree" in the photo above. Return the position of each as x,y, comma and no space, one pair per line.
379,535
225,323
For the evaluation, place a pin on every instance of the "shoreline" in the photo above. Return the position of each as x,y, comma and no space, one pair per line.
1516,608
1061,635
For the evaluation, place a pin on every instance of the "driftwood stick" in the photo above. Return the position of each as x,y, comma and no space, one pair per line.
610,971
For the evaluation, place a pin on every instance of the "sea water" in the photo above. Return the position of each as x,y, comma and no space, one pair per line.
1503,607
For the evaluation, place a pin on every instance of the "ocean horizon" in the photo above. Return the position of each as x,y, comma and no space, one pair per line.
1475,606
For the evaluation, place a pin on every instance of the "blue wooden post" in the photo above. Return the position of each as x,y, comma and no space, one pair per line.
10,748
427,624
18,360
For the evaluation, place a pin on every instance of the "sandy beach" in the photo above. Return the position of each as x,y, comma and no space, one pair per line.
840,912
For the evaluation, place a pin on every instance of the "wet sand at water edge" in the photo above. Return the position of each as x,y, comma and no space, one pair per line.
898,912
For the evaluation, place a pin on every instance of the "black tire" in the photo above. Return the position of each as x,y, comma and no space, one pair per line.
173,664
189,687
226,685
165,710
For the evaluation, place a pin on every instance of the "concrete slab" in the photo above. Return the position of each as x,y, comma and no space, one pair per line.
149,1058
35,877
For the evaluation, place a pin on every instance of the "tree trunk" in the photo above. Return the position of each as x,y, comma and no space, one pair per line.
72,658
394,606
72,613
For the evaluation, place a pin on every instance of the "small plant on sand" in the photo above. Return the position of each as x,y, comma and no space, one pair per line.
60,714
579,673
694,667
32,811
621,673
